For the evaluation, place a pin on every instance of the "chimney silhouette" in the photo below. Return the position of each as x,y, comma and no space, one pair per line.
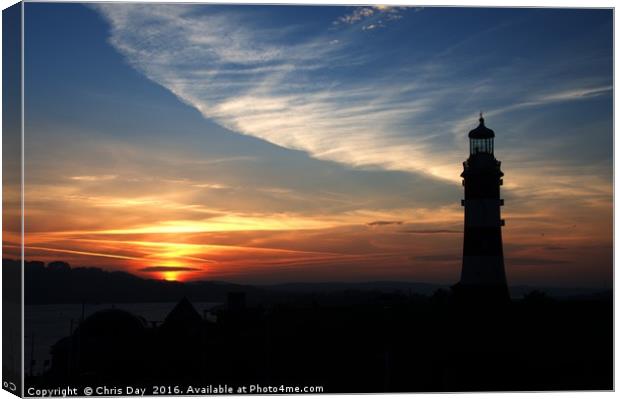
482,276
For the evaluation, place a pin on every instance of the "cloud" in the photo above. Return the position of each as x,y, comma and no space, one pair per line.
516,261
437,258
212,186
389,13
432,231
160,269
385,222
553,97
372,26
574,94
252,78
555,248
94,178
357,15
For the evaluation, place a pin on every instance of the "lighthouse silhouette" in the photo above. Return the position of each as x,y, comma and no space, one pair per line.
482,276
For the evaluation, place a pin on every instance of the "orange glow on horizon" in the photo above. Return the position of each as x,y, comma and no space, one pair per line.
150,235
170,276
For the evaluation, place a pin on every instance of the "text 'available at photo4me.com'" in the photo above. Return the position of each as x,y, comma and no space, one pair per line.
169,390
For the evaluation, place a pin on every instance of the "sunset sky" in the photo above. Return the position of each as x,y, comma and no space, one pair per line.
265,144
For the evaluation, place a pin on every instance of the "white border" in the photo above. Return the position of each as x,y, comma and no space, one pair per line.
480,3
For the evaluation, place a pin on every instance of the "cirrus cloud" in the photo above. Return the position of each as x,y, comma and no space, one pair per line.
300,91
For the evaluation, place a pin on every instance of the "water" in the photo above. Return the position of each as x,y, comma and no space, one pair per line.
46,324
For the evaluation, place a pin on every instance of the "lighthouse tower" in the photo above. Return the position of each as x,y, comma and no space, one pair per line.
482,276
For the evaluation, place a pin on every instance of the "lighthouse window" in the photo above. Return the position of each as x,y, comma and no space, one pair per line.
481,145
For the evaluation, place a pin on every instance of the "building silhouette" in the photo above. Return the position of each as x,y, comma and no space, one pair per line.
482,275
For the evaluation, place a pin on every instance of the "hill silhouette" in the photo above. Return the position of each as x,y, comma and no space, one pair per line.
58,282
50,285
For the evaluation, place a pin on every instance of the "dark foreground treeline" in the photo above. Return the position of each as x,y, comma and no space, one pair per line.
385,343
399,345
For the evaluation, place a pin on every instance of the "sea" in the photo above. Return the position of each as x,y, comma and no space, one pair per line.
47,324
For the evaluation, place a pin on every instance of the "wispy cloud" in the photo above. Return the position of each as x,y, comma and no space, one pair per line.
372,26
385,223
430,231
575,94
357,15
250,80
301,93
94,178
379,14
160,269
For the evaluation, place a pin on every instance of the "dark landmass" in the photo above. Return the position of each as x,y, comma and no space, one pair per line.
390,344
346,338
94,285
58,283
405,287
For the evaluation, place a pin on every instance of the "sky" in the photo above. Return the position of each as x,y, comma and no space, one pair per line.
265,144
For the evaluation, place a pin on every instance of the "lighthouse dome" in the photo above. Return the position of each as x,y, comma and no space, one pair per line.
481,132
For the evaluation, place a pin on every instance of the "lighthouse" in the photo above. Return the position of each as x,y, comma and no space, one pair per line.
482,275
